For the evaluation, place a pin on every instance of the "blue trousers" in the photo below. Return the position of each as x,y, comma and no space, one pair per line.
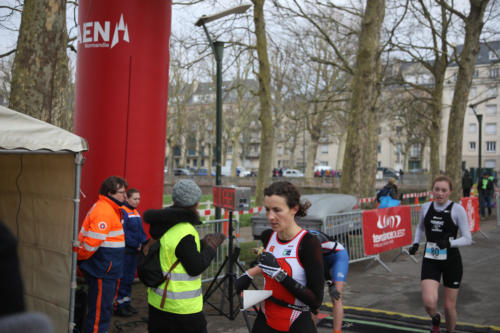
485,201
125,289
101,294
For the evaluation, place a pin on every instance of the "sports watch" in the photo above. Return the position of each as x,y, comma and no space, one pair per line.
280,275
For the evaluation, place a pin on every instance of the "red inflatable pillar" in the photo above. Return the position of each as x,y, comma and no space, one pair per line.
121,94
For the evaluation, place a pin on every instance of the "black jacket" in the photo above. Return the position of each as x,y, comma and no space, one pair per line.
161,220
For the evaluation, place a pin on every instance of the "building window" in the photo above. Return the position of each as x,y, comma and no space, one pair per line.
493,73
491,128
472,128
473,92
492,164
476,74
324,149
492,91
379,148
455,75
323,163
415,151
491,110
279,150
399,130
472,145
492,55
229,150
491,146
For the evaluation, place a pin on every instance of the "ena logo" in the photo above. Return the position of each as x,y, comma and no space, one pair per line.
94,34
388,221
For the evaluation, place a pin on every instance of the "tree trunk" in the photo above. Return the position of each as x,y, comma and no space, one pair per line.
264,92
40,77
473,26
358,160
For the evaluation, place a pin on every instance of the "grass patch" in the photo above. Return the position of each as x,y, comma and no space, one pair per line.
247,254
245,220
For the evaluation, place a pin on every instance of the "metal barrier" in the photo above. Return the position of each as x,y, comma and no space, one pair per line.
347,228
217,226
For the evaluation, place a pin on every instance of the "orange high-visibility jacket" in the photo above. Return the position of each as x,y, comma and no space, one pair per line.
102,240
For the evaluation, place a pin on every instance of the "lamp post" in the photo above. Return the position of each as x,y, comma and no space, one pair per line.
479,120
218,50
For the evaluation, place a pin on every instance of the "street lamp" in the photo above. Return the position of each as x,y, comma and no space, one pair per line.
479,120
218,50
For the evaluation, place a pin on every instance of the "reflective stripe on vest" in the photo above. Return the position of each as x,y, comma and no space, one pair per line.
184,293
179,294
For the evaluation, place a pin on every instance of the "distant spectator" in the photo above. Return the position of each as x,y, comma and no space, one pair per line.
466,183
280,172
390,189
486,189
401,173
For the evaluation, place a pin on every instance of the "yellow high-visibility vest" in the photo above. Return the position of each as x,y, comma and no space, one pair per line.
183,291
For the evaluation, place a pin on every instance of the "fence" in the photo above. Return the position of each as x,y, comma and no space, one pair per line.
347,228
217,226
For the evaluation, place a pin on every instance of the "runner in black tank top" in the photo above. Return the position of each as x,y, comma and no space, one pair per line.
440,221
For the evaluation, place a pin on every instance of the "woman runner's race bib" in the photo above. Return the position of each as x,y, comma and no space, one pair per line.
432,251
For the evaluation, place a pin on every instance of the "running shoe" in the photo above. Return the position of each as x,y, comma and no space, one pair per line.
436,321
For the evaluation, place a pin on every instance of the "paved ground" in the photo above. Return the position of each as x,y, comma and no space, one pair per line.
389,298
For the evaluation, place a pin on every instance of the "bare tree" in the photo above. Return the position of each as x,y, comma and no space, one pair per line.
40,76
358,171
264,93
466,63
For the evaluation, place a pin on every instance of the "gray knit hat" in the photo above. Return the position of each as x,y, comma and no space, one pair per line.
186,193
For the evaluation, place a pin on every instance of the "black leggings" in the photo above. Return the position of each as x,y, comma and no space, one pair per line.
166,322
303,324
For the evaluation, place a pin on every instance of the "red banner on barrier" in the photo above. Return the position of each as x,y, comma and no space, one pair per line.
471,205
386,229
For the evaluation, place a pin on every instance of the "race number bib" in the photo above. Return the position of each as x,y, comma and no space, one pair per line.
432,251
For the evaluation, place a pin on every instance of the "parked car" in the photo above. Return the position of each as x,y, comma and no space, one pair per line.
182,172
204,172
384,172
242,172
292,173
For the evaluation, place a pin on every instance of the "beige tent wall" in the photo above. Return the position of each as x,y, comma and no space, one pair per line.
44,227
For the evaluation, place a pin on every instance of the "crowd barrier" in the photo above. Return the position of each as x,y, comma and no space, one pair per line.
368,233
212,226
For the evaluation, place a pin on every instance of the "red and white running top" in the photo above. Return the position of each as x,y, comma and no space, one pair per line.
278,317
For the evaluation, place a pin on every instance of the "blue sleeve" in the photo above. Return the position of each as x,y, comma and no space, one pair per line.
128,230
142,234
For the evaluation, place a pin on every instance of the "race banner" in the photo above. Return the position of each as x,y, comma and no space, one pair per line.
471,205
386,229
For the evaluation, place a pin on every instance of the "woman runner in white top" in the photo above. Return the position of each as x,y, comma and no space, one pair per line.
440,221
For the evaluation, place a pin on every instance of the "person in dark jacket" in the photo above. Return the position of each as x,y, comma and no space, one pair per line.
466,183
486,189
134,238
177,307
11,286
391,189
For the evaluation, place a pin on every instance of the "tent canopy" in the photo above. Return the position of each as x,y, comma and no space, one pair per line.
39,187
20,131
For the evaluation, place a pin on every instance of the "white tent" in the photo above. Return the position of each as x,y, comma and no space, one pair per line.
39,199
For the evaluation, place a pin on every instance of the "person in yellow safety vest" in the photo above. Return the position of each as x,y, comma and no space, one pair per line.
176,305
486,191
